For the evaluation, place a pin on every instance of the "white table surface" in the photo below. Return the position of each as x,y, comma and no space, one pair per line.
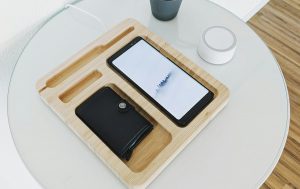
34,11
13,173
238,149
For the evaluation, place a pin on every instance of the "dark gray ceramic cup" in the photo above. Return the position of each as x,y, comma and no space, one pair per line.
165,9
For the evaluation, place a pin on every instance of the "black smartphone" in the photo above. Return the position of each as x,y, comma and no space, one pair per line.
169,87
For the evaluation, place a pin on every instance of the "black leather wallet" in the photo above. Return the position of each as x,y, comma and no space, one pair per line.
114,121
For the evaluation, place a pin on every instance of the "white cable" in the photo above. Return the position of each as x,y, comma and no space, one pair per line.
87,13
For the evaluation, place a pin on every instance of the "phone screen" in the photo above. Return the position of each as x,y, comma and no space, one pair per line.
166,83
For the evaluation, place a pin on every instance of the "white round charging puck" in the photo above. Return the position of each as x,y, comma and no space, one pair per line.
217,45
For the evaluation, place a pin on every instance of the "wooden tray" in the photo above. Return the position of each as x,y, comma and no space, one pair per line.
70,84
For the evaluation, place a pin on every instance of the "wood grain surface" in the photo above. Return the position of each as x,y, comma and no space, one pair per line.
278,24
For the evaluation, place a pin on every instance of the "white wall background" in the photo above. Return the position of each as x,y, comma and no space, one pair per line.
18,15
16,19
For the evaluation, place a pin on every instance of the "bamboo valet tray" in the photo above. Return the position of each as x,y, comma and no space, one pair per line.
78,78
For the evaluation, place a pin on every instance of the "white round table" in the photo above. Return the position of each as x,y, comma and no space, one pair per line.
238,149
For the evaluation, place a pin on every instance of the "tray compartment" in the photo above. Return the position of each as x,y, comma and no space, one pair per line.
78,87
150,146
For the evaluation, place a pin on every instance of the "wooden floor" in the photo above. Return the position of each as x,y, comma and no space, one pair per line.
278,24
